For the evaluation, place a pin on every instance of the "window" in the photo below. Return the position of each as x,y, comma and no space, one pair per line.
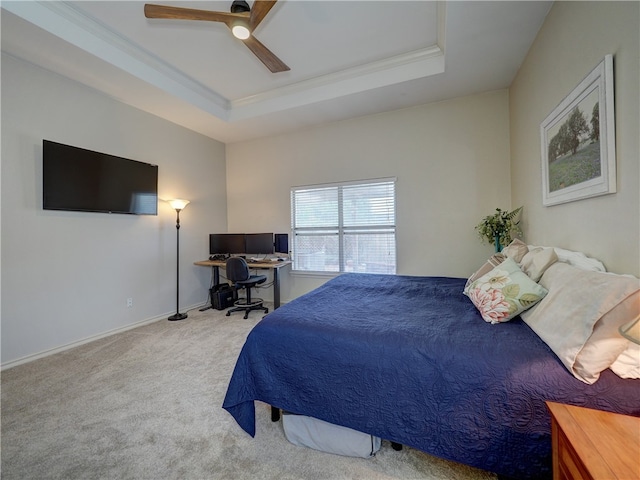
345,227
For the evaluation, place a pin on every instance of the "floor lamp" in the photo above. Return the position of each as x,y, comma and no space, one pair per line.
178,205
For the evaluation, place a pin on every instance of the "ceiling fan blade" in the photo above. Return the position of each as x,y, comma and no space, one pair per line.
259,11
265,55
165,11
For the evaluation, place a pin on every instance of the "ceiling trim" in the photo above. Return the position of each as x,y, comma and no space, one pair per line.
400,68
74,26
71,24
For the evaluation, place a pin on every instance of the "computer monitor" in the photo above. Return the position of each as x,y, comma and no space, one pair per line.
258,243
226,243
281,243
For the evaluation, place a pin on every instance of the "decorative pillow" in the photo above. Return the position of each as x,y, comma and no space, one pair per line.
627,365
493,261
504,292
536,261
580,317
516,250
577,259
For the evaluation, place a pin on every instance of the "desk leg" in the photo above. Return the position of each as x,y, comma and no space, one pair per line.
216,275
276,289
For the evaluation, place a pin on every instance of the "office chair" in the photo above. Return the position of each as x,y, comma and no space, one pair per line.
238,274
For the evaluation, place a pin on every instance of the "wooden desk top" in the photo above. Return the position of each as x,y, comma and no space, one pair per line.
222,263
608,444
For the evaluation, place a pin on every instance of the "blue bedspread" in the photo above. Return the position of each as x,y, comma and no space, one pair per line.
409,359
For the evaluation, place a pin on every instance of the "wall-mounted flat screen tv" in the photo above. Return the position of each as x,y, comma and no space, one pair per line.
86,181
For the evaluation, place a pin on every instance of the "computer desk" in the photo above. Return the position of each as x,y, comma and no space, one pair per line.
275,266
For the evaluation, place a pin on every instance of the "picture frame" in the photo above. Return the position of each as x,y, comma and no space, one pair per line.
578,141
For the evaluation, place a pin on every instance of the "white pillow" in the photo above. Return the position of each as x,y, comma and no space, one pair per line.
580,316
577,259
535,262
627,365
516,250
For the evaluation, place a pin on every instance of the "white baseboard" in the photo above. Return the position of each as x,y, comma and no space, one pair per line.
68,346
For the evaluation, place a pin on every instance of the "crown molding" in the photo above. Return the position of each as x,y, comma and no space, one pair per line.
400,68
73,25
83,31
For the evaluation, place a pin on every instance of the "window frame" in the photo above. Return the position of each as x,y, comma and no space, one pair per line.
341,229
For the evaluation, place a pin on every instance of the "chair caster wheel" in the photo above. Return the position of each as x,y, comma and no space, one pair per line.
228,314
266,310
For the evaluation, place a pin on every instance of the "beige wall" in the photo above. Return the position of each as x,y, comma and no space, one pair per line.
451,160
66,275
573,40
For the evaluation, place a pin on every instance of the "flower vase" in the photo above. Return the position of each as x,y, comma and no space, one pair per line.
498,246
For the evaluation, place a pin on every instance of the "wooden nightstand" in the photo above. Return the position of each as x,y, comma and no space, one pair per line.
592,444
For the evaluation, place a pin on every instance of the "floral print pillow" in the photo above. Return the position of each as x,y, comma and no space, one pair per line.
504,292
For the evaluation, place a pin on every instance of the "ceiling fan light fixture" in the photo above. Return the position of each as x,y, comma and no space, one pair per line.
240,30
240,6
242,20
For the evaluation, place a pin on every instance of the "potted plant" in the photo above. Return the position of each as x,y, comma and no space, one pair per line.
500,228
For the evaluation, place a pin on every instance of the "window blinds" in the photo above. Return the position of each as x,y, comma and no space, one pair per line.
345,227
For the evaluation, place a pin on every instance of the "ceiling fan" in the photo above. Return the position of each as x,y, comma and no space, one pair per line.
242,20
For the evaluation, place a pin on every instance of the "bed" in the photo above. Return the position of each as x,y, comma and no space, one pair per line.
411,360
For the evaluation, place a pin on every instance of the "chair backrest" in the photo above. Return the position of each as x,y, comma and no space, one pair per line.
237,269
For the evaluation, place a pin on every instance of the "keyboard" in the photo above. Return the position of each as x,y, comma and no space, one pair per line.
261,260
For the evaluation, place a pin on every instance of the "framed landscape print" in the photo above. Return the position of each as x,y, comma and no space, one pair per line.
578,141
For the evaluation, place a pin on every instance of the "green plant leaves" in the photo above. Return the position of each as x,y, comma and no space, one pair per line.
501,224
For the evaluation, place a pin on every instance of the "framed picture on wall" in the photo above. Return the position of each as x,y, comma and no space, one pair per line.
578,141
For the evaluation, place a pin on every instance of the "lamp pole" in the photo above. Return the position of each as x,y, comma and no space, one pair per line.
178,205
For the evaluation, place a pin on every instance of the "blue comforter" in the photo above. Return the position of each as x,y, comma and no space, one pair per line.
410,359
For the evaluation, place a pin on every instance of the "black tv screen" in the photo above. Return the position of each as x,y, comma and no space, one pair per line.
86,181
226,243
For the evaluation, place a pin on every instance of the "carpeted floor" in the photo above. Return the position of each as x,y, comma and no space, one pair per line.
146,404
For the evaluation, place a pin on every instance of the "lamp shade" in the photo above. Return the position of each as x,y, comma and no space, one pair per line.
631,330
178,203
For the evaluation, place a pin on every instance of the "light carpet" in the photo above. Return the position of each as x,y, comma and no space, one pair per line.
146,404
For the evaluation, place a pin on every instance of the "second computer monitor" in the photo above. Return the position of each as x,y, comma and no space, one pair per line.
258,243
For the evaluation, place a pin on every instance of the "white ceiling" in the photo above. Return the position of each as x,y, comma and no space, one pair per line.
347,58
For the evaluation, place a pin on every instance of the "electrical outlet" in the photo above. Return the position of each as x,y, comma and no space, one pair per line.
129,302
